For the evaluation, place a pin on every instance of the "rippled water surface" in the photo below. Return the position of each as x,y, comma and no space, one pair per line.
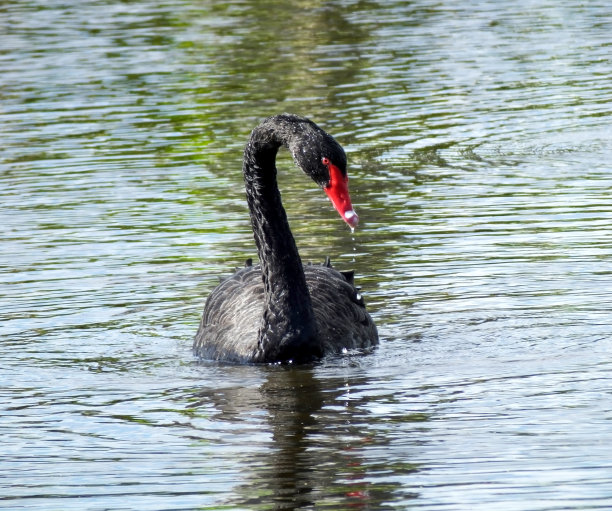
480,150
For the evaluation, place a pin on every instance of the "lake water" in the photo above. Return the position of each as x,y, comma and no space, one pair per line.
480,154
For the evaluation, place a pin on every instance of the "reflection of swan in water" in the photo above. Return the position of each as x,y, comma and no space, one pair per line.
281,311
318,451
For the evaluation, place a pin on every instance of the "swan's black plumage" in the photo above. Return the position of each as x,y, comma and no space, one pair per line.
279,310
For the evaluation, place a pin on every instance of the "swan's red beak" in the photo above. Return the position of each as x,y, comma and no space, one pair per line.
337,191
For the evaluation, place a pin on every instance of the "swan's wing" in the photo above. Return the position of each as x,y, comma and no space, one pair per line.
232,317
342,319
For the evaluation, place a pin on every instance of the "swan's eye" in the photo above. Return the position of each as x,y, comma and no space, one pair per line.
325,160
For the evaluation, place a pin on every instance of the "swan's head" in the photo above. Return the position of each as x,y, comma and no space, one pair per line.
319,155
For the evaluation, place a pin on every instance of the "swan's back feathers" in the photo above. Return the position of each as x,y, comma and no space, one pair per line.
233,313
231,319
342,319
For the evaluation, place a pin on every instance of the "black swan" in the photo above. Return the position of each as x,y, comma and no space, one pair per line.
281,311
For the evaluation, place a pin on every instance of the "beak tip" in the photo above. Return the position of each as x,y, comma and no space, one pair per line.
351,218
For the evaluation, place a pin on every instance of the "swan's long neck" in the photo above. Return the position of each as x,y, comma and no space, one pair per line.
288,324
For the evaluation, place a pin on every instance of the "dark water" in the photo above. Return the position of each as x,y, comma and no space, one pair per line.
480,154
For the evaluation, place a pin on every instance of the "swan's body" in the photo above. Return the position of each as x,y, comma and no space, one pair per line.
280,311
